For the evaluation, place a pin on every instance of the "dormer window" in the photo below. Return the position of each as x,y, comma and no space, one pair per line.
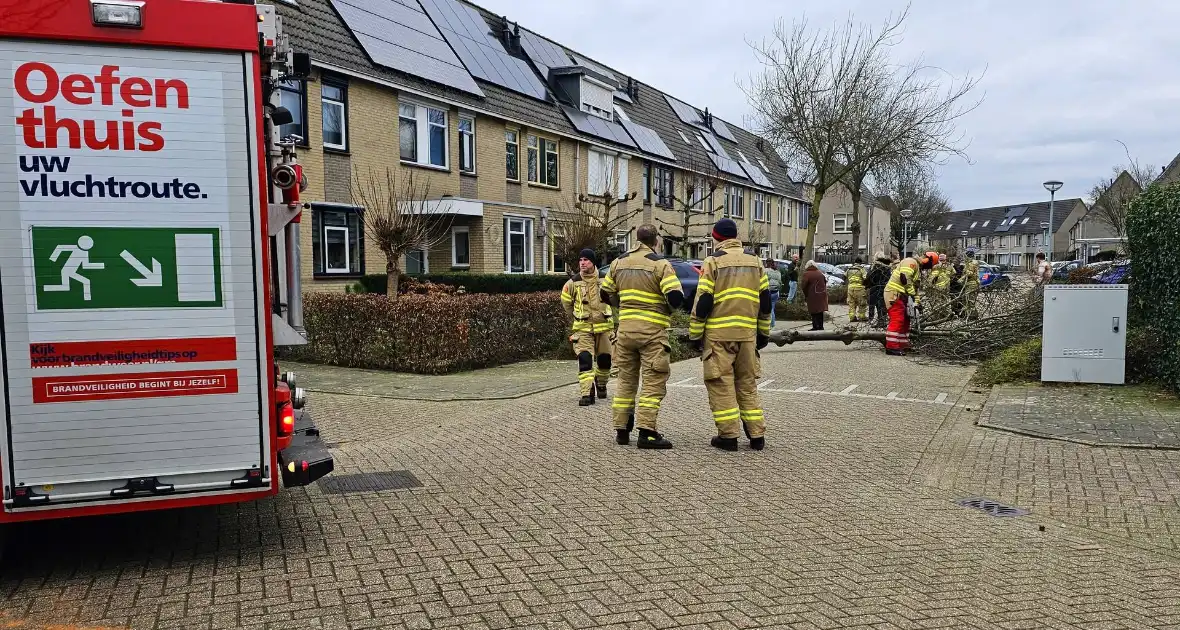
598,98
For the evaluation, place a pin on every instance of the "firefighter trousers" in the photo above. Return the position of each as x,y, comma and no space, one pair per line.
731,371
642,357
593,351
858,303
970,295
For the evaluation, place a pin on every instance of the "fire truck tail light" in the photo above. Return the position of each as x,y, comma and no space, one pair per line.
286,420
117,13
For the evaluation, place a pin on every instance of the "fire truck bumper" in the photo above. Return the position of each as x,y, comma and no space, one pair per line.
307,459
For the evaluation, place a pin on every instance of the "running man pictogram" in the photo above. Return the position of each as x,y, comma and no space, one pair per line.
78,260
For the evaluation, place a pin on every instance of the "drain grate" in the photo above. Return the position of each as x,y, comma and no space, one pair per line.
991,507
369,482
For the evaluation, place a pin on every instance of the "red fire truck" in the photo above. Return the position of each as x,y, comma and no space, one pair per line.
149,260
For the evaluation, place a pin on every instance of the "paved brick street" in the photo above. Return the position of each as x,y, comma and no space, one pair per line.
529,516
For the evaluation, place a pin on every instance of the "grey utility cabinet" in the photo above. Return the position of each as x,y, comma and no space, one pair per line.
1085,334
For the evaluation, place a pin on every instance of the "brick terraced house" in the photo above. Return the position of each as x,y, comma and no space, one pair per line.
507,128
1011,235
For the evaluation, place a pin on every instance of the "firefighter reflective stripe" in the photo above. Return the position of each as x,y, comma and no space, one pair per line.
639,295
752,415
733,321
626,314
737,293
649,403
895,284
608,283
586,376
622,403
726,415
705,285
764,326
696,328
856,278
671,283
764,283
584,326
565,296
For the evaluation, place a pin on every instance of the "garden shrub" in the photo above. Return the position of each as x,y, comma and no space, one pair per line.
1019,364
432,333
1153,238
496,283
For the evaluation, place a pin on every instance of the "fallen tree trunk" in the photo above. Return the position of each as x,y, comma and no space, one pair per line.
783,337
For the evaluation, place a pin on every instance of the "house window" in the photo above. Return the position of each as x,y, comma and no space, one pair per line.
974,224
986,222
543,161
763,165
736,203
417,261
665,192
708,149
466,144
1024,221
422,134
337,241
1028,240
696,194
518,245
512,155
334,104
788,207
623,241
842,223
684,138
599,172
556,262
461,246
759,207
620,114
291,96
647,182
624,166
804,215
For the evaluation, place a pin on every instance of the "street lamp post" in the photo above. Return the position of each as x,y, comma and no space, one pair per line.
1052,186
964,233
905,232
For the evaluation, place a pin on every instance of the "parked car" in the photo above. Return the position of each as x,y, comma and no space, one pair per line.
1062,269
835,276
1119,273
831,270
688,272
991,278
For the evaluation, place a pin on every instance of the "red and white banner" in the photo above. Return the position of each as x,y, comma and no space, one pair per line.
116,386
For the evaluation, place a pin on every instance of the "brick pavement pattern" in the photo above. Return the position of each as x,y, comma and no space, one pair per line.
530,516
1098,416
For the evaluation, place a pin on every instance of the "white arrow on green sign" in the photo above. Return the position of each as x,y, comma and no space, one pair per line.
126,267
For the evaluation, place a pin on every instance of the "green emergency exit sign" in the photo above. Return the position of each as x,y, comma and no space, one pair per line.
126,267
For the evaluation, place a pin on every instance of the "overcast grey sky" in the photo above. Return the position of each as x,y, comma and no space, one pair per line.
1064,80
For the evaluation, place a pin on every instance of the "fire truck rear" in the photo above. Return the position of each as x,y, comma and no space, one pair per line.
149,261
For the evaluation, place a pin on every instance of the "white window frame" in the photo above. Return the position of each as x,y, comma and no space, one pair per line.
539,145
736,205
620,114
347,250
623,240
325,103
623,176
846,219
701,138
455,230
515,141
425,258
760,207
468,118
598,166
423,125
763,165
986,222
527,226
684,138
1024,221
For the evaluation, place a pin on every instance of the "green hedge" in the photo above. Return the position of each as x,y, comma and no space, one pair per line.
432,334
1153,236
495,283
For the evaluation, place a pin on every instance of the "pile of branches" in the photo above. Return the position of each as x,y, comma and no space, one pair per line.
1001,319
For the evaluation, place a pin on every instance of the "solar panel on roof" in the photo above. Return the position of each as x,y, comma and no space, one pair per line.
756,175
623,96
722,129
728,166
586,63
598,127
648,140
400,36
544,53
481,51
714,143
685,112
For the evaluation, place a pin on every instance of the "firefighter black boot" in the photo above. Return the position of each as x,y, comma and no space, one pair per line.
653,440
758,443
586,401
623,436
601,389
725,444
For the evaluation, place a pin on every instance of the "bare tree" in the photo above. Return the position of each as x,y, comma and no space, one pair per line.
399,216
696,199
835,105
592,222
913,190
1111,196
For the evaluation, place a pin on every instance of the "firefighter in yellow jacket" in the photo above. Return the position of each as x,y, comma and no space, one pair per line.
644,288
858,301
902,297
730,322
970,286
939,281
582,298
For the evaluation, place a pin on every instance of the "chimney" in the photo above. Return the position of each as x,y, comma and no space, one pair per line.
708,118
758,143
633,89
505,31
514,41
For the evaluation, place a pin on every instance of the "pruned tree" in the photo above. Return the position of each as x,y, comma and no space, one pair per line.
912,189
835,105
695,199
1111,196
592,222
399,216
